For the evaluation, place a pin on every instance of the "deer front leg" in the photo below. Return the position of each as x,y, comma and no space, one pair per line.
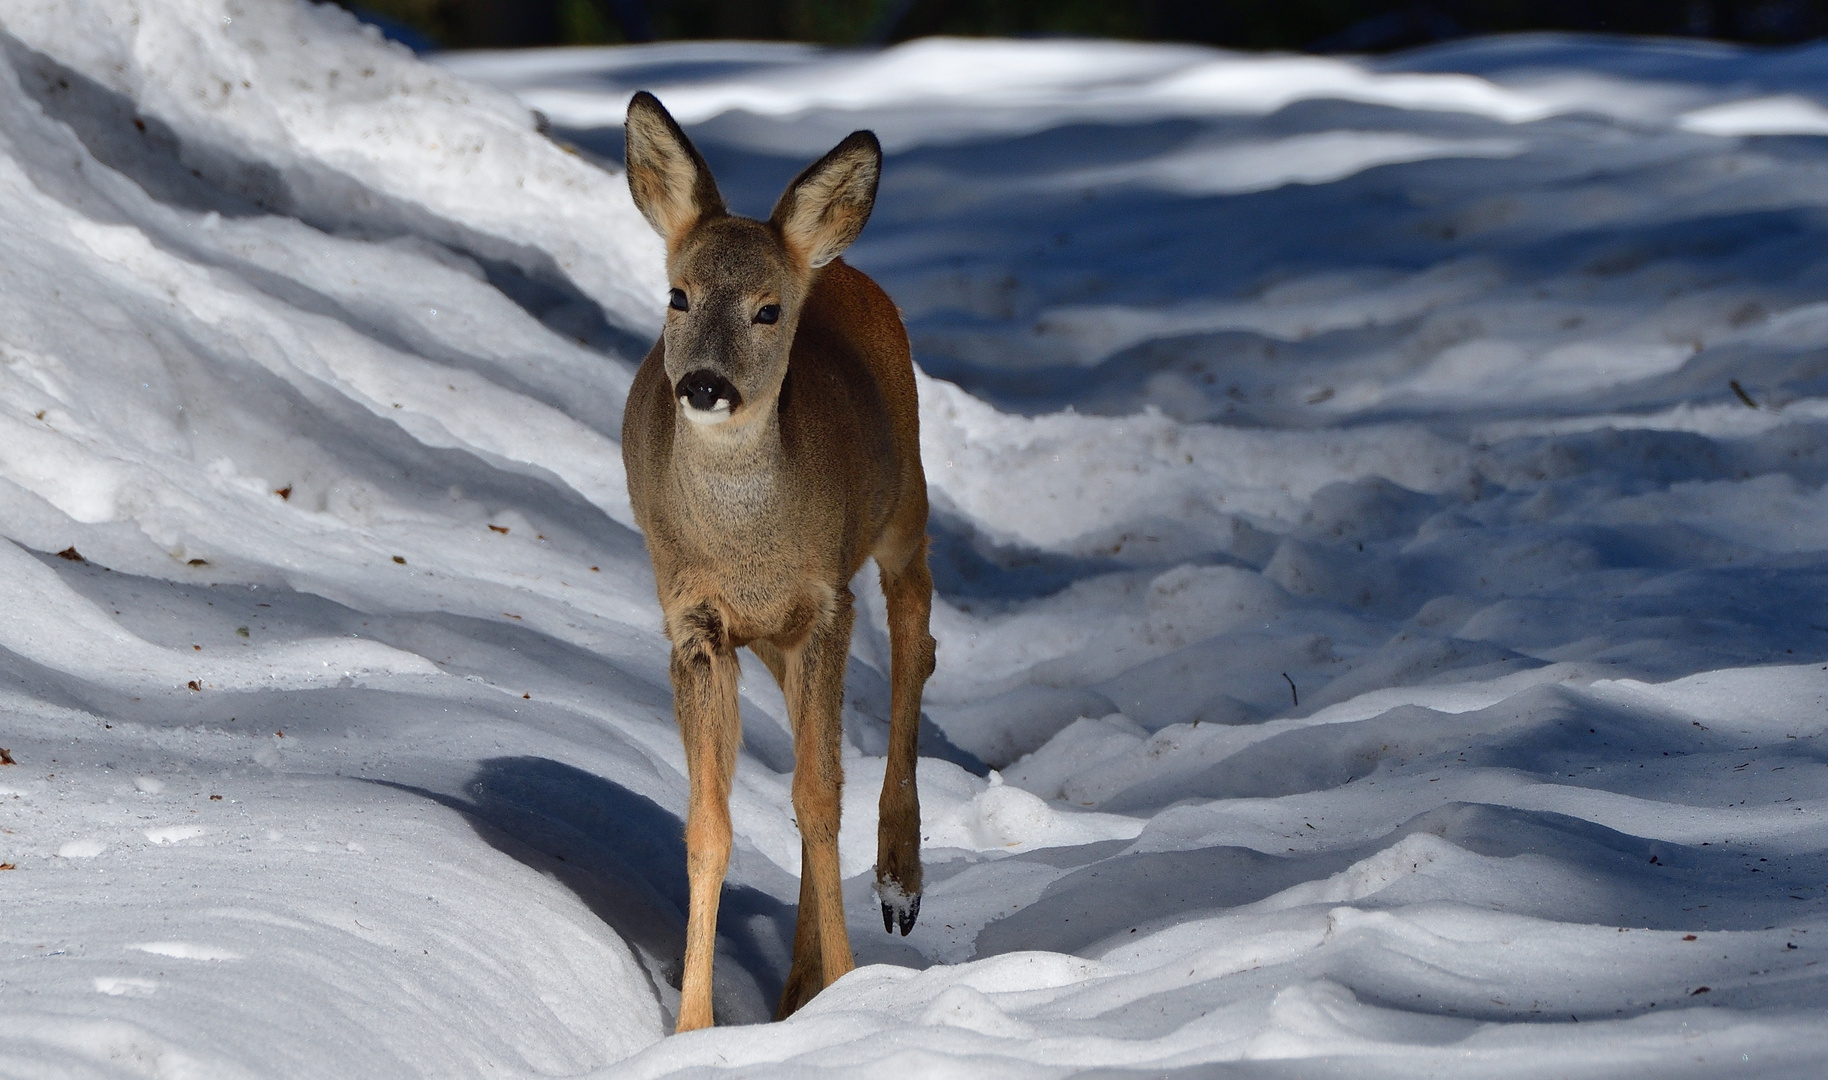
909,593
815,698
704,703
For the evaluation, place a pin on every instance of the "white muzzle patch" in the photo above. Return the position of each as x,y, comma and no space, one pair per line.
716,414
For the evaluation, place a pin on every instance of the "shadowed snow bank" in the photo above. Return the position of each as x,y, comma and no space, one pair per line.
1379,531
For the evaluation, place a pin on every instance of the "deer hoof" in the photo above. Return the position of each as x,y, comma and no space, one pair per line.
901,911
899,906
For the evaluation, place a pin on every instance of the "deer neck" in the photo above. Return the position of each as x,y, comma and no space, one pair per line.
729,476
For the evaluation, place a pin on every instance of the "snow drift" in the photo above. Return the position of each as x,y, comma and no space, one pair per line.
1380,531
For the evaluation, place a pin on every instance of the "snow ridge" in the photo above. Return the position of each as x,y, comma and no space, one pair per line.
1379,528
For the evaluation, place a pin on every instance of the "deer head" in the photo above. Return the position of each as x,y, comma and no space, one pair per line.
737,284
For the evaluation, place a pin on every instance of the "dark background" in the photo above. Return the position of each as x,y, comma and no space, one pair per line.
1310,25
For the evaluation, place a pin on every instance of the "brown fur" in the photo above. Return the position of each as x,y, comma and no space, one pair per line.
756,524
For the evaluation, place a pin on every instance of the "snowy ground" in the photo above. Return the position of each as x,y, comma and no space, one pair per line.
1474,397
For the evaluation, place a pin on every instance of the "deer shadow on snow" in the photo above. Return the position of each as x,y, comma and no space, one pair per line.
624,856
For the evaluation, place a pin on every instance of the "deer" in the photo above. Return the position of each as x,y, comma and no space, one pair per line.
772,443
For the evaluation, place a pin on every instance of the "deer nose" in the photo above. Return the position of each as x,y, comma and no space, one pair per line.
703,389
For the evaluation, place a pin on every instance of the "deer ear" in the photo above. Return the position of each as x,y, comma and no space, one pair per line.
671,184
826,206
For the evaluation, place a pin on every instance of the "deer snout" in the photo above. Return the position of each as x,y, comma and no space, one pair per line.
708,397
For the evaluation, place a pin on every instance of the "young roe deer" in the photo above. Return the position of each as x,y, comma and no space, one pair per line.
772,444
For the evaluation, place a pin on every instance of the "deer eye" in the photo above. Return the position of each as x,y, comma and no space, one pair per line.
768,314
677,300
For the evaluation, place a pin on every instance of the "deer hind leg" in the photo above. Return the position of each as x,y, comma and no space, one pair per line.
815,696
704,673
909,591
807,976
774,659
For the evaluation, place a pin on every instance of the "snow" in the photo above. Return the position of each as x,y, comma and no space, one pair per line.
1379,528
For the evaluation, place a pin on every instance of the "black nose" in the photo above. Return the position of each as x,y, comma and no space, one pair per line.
702,389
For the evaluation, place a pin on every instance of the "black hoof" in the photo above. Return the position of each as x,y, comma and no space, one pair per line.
902,910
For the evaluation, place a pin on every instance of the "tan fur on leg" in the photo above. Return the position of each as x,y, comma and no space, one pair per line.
909,592
815,696
704,674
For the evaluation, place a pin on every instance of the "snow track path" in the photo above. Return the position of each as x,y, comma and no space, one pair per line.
1380,529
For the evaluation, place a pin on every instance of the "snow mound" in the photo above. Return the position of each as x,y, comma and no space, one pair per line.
1379,532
